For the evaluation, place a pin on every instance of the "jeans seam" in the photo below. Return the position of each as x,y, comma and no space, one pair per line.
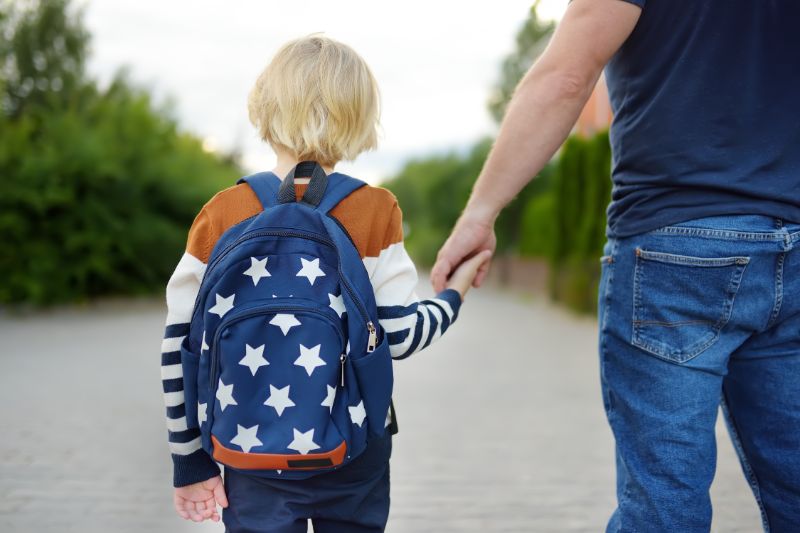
606,305
776,309
624,497
749,473
718,233
675,259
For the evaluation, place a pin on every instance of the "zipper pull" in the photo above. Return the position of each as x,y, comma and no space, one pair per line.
372,343
342,359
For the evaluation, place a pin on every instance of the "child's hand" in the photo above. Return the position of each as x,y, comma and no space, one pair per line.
461,280
199,501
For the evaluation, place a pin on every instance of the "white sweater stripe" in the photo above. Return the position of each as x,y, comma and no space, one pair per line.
181,292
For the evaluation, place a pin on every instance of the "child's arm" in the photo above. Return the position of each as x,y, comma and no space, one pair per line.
412,324
196,475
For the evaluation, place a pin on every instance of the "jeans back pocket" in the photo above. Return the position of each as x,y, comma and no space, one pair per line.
681,303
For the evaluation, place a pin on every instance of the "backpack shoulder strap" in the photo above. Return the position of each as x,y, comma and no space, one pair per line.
340,186
265,185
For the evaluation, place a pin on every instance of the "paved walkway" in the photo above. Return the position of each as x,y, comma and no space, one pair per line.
502,427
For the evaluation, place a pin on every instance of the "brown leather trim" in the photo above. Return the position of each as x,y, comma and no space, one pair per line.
274,461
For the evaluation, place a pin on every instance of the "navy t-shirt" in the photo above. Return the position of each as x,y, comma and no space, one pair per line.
706,101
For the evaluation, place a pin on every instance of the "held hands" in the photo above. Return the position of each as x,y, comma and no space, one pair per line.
472,238
465,274
199,501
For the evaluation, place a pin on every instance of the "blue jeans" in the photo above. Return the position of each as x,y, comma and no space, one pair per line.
693,316
353,499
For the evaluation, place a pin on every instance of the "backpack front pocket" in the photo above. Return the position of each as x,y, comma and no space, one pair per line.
275,375
681,303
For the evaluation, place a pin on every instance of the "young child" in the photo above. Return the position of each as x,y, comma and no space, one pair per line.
317,100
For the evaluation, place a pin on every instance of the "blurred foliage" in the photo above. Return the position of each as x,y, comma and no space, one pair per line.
97,186
432,192
560,216
531,41
580,194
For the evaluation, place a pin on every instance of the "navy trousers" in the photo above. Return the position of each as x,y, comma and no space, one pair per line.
353,499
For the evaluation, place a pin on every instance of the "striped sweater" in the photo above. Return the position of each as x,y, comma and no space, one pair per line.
373,220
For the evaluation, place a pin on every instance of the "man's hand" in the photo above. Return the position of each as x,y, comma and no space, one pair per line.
472,235
464,276
199,501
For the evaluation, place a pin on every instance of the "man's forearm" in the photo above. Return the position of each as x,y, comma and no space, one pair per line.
549,99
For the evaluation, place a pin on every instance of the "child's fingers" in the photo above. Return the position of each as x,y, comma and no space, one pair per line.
204,510
476,262
196,515
219,495
180,505
188,510
191,511
210,508
483,270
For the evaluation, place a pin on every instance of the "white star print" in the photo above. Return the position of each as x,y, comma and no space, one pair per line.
328,401
246,437
257,270
337,304
202,414
223,305
279,399
225,395
285,322
303,442
203,345
253,358
310,270
309,358
357,413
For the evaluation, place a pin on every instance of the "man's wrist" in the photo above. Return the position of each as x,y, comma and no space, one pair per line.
481,210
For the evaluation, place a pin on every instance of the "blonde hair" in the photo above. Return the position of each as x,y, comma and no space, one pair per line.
318,100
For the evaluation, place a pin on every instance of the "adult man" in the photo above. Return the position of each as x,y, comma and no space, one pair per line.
700,287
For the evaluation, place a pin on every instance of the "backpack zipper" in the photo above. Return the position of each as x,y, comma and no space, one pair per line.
372,342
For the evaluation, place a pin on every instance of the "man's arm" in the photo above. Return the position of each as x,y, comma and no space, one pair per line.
545,106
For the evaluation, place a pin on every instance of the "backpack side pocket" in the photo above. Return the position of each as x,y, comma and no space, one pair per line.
375,379
191,363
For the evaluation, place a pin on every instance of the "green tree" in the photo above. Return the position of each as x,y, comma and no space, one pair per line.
97,187
531,41
43,56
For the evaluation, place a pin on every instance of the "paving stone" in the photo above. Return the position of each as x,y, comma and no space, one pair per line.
501,426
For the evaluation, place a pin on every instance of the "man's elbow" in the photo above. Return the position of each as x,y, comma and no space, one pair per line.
573,85
560,84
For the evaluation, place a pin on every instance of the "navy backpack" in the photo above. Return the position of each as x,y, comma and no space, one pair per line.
286,371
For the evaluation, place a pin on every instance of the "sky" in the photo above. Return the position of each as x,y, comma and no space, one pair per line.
435,62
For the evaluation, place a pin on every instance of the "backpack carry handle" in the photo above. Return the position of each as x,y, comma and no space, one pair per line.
316,187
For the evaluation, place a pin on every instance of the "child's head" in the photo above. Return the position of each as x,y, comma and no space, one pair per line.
316,100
